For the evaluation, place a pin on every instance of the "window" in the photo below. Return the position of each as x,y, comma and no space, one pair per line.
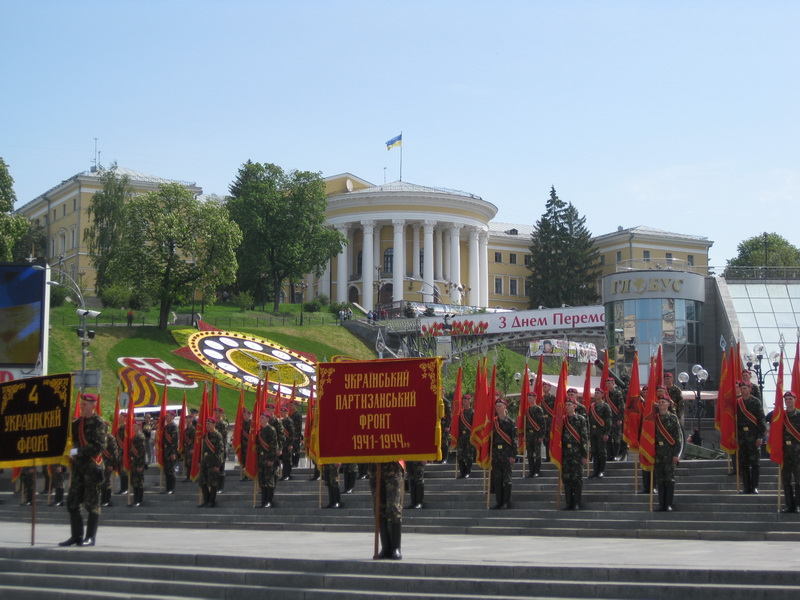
54,214
72,236
646,255
669,258
690,260
498,257
498,285
359,256
388,261
74,204
619,256
512,287
63,210
528,288
512,259
602,259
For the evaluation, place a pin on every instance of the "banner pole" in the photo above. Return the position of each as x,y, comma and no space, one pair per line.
377,507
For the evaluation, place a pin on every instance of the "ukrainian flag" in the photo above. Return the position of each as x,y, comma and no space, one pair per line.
395,141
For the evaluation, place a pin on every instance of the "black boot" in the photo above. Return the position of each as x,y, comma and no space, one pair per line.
212,497
412,494
58,499
577,490
745,471
28,496
270,497
91,530
420,495
467,469
537,470
569,498
756,470
647,482
76,528
206,495
337,498
498,494
662,501
123,485
170,483
221,486
788,497
395,535
136,500
105,497
669,496
265,498
797,498
386,544
506,496
331,500
349,482
315,475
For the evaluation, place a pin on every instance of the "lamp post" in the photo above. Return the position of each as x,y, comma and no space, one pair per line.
302,285
378,285
84,334
700,375
753,361
437,298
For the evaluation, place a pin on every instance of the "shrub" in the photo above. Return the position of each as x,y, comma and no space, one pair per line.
58,294
115,296
312,306
244,300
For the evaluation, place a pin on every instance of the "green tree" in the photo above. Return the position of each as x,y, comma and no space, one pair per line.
766,250
12,227
564,263
33,242
106,221
172,243
282,218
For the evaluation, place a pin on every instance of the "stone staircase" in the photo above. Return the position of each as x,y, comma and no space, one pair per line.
707,507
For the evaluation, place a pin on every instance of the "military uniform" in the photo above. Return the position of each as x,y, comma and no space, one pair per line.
600,419
244,445
123,478
112,458
465,451
616,402
222,428
330,477
26,479
188,448
416,482
549,408
267,463
288,448
534,433
676,395
791,460
504,448
390,511
668,446
57,484
169,453
447,419
212,456
297,441
750,428
138,465
575,448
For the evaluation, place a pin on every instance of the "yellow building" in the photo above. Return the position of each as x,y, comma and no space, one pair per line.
63,212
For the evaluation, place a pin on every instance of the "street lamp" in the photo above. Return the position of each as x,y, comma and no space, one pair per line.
757,354
437,299
700,375
302,285
84,334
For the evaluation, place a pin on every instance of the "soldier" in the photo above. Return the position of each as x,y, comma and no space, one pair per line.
247,421
668,449
446,421
88,440
169,452
188,446
750,428
138,463
416,482
504,453
26,477
112,458
147,429
297,429
599,430
647,476
267,458
465,451
791,454
390,512
212,463
330,476
57,483
676,395
222,427
575,454
549,407
616,402
534,433
123,479
288,436
350,475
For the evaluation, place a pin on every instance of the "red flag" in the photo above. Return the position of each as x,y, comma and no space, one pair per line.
236,442
659,368
524,405
538,387
647,437
205,412
311,413
556,449
482,419
158,442
251,458
775,440
493,390
605,375
182,428
214,397
587,388
455,413
633,407
115,421
126,450
726,405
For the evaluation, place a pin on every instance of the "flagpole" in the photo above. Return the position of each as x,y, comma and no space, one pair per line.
401,155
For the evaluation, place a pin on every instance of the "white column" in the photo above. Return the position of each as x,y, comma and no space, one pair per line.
437,244
455,262
399,267
367,267
324,282
446,255
415,251
486,285
427,271
351,263
378,256
341,268
474,271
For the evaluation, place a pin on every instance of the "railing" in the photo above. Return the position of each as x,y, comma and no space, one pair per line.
673,264
762,273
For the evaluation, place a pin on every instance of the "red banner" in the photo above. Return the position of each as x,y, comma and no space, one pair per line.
379,410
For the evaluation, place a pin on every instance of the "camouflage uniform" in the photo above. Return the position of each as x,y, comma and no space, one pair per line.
330,477
504,447
138,465
350,475
188,449
573,452
664,468
267,463
534,433
245,443
222,428
676,395
616,400
212,455
26,479
169,453
416,482
57,484
447,420
297,441
286,455
123,478
112,458
600,418
548,406
747,434
89,438
465,451
791,462
390,511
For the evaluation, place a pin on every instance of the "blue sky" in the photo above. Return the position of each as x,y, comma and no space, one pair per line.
677,115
